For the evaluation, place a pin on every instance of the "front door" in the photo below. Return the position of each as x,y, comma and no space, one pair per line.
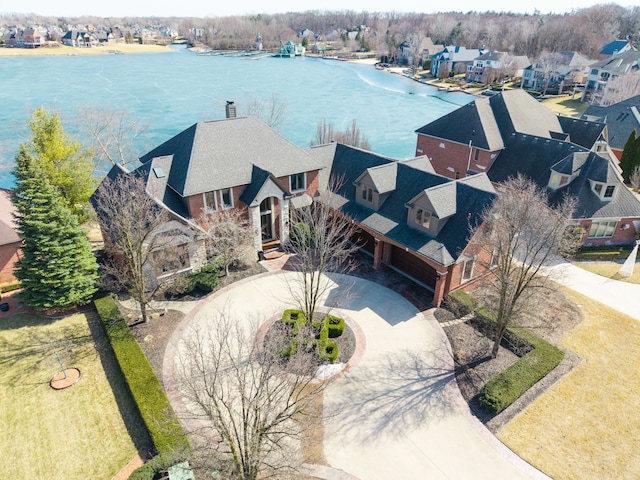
266,219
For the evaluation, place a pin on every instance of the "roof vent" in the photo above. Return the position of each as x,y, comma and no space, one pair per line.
230,109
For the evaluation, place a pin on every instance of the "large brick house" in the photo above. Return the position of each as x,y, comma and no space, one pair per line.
512,133
410,218
10,242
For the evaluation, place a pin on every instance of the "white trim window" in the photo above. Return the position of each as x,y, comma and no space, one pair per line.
367,194
210,201
604,191
226,198
467,269
602,229
495,258
297,182
423,217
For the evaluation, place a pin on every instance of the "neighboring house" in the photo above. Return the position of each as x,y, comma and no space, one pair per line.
25,38
615,47
605,70
621,118
453,58
556,71
79,38
496,65
410,218
105,37
512,133
410,53
10,242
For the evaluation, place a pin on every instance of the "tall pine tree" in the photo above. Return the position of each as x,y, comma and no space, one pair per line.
630,156
57,268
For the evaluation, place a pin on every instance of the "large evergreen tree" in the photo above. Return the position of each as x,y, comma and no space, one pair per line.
66,165
57,268
630,156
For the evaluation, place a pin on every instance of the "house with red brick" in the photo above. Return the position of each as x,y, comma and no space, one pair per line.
410,219
10,242
511,133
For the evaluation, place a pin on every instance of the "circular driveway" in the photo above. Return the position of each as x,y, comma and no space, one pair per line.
397,413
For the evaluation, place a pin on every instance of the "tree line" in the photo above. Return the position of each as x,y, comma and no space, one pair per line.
584,30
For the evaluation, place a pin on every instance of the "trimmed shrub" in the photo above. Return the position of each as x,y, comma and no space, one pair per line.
152,402
605,253
460,303
335,326
10,287
206,280
155,465
293,316
328,352
506,387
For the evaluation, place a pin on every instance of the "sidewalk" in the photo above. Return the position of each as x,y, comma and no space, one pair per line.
621,296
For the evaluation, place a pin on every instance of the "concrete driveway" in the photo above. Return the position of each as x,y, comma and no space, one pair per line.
397,413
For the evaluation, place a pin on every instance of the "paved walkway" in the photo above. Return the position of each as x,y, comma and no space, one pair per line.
397,413
622,296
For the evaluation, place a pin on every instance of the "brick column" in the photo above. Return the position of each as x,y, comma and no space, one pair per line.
439,290
377,254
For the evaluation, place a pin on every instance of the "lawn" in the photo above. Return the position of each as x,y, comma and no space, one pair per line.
610,270
85,431
565,106
586,426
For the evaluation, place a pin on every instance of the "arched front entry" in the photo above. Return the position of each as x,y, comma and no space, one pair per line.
269,216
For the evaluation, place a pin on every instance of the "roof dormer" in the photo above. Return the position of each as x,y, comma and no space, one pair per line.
567,169
375,184
430,209
604,191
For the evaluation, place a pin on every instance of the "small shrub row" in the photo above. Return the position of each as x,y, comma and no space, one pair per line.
154,407
330,327
509,385
460,303
155,465
605,253
10,287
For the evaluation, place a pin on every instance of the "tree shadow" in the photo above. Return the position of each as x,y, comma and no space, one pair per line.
126,404
403,393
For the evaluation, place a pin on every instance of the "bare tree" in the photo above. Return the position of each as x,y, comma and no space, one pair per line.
241,390
229,234
325,133
634,179
113,134
549,64
272,112
621,88
322,242
518,236
130,221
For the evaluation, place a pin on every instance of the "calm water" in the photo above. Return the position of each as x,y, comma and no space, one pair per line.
174,90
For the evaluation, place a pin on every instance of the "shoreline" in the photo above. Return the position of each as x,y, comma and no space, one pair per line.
64,50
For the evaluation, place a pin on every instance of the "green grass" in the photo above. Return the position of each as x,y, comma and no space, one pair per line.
565,106
89,430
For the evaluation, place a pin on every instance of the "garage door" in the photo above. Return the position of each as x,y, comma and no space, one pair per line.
365,241
413,266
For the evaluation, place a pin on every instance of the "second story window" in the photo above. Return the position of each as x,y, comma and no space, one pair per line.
210,203
423,217
226,195
367,194
297,182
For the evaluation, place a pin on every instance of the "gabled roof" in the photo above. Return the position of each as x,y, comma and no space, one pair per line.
535,157
582,132
442,199
390,219
625,62
613,47
383,177
621,119
220,154
487,121
259,178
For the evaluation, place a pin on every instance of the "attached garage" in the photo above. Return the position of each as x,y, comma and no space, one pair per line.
365,241
413,266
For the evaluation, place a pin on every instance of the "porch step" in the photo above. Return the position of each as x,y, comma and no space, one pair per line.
272,250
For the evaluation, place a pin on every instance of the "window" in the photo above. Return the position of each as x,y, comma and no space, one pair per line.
364,193
476,155
495,258
226,195
423,217
467,269
608,193
210,201
602,229
563,180
598,188
297,182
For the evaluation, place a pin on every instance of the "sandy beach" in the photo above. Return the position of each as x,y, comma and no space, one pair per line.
124,48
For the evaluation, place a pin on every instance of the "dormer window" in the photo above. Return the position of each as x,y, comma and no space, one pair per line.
558,180
367,194
604,191
423,217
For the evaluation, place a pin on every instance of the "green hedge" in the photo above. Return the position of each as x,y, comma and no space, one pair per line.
606,252
335,326
10,287
329,351
461,302
153,404
159,462
509,385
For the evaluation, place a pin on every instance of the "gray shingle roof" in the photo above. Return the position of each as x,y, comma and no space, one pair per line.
612,47
219,154
391,218
384,177
442,199
622,63
621,119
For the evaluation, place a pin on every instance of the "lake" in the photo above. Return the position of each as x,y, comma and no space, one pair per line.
171,91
